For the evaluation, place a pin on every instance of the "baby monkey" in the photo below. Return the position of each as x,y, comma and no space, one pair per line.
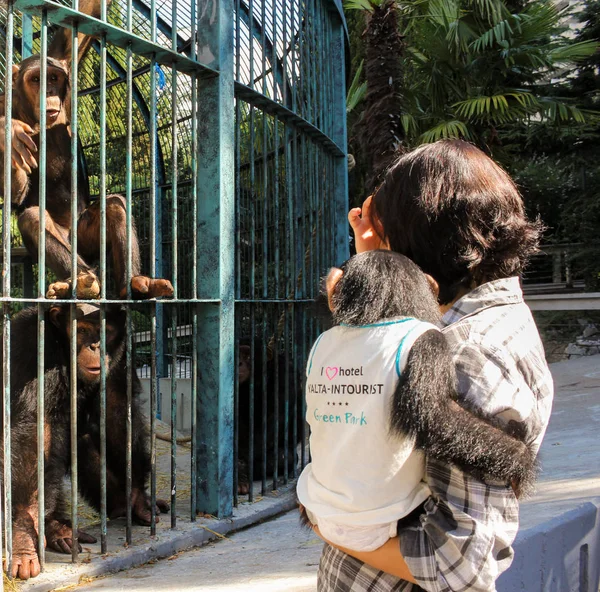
380,395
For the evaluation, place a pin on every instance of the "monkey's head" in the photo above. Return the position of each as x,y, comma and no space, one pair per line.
377,285
245,357
27,85
88,338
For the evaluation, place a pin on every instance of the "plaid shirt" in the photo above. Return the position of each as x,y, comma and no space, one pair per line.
462,540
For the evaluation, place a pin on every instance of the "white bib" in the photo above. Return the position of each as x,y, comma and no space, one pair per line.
360,475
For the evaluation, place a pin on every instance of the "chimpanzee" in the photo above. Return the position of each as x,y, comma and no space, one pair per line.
275,387
25,180
57,427
381,385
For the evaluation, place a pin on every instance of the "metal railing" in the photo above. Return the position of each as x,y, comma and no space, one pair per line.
223,124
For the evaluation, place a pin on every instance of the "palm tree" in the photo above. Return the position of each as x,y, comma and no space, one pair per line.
474,68
379,130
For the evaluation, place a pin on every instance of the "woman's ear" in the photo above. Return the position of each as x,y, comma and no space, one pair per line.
335,275
435,287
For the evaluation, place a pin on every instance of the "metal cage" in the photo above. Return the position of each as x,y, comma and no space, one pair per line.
222,122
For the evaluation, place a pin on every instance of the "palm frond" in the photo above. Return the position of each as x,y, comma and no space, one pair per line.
492,10
445,130
368,5
574,51
357,90
496,35
409,125
497,109
558,111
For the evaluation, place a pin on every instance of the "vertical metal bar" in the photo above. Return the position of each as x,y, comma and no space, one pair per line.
174,309
238,261
339,135
276,242
251,40
6,244
153,256
265,250
129,230
41,288
252,204
195,181
103,481
215,415
74,270
26,35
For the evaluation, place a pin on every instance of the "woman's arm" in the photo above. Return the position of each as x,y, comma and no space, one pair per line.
387,558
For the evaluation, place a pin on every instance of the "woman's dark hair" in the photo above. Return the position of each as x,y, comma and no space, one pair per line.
456,214
379,285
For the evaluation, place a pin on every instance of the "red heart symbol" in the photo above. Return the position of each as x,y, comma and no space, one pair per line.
331,372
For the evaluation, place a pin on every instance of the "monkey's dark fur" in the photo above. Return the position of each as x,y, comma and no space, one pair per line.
268,392
382,284
23,363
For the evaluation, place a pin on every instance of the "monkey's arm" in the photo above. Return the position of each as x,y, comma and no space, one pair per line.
424,407
23,149
61,46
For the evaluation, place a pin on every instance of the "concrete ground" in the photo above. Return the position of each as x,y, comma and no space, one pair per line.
276,556
557,548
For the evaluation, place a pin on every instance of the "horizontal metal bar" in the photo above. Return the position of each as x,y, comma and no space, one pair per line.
286,115
10,299
67,17
583,301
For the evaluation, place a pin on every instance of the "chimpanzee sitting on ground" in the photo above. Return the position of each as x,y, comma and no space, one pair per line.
25,561
274,387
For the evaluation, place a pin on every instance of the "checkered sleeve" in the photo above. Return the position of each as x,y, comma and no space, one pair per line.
463,540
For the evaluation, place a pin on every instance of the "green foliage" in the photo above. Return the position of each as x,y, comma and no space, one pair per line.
367,5
357,91
473,68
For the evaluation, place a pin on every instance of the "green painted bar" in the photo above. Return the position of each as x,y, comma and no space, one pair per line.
175,273
6,212
175,267
41,286
26,36
73,308
216,157
67,17
196,177
338,56
102,198
153,269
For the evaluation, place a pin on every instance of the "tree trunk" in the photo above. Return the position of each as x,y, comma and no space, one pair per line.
380,129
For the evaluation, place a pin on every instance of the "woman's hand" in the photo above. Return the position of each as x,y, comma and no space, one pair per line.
367,231
387,558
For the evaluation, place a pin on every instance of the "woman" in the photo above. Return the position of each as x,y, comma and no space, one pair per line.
459,216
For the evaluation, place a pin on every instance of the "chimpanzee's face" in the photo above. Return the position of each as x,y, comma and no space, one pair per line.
244,364
88,349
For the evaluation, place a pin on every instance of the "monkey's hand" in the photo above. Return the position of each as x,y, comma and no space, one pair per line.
88,287
367,230
59,536
144,288
23,147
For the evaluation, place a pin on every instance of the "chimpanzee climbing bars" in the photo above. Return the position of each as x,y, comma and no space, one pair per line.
237,182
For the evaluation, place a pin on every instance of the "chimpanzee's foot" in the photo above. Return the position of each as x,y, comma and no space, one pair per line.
243,487
88,287
25,560
144,288
140,508
59,536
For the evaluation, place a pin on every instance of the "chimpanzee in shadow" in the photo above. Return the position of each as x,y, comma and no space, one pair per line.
57,433
279,372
